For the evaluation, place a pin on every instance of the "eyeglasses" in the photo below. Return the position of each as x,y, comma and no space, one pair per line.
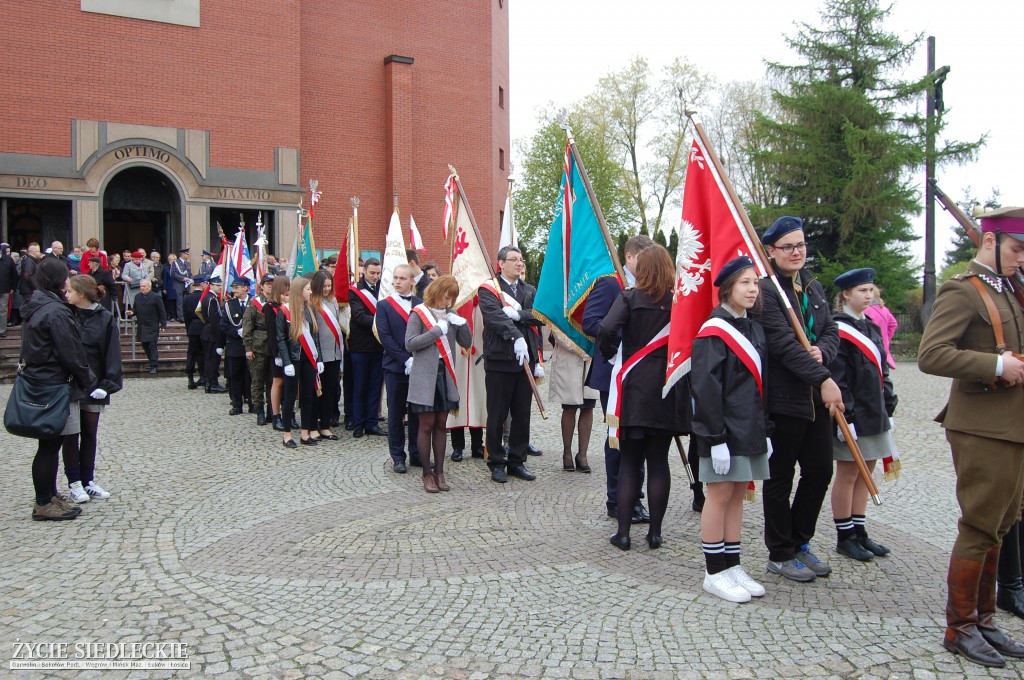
789,248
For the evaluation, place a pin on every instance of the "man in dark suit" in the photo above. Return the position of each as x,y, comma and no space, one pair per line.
392,319
509,345
367,353
181,277
193,328
236,368
150,317
209,311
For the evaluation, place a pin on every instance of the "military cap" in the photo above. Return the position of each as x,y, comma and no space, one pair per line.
780,228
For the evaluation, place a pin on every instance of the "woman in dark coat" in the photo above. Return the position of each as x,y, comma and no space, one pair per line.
646,422
278,295
299,350
103,352
52,353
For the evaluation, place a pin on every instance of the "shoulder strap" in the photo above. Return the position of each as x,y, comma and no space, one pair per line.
993,312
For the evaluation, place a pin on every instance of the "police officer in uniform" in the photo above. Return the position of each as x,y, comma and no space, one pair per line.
193,329
181,278
254,337
207,266
209,310
233,348
975,336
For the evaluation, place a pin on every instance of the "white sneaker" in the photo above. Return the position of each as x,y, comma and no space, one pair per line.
96,491
77,493
744,581
723,585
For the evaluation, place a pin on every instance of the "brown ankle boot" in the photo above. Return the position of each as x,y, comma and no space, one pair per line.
962,634
442,485
999,640
429,483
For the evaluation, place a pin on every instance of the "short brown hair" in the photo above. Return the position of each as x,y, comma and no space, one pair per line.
655,273
86,286
279,291
92,243
637,243
440,289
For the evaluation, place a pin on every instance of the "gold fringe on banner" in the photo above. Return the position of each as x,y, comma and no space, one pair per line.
751,495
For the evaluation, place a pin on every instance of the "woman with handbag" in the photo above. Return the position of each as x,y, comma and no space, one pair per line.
103,352
299,349
430,336
52,355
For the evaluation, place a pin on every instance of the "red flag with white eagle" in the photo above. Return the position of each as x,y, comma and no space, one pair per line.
711,234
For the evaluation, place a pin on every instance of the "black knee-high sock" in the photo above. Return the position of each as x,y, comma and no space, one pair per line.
44,469
714,556
732,554
858,525
844,528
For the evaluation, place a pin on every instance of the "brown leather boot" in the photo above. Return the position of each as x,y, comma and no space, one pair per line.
429,483
962,634
442,485
999,640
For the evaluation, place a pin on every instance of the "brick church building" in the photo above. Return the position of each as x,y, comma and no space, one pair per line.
145,124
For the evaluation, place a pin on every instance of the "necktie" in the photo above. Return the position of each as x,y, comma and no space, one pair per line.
514,286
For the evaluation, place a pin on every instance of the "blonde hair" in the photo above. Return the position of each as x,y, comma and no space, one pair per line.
297,307
437,293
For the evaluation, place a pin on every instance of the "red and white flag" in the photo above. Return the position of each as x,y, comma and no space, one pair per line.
415,240
469,263
711,234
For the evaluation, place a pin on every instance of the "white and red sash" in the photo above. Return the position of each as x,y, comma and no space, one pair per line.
620,371
332,323
502,296
444,348
403,307
259,303
367,299
864,344
738,343
307,343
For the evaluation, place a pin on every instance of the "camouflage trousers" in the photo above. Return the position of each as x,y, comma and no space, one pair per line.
259,371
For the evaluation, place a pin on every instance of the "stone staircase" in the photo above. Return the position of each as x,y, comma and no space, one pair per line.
173,349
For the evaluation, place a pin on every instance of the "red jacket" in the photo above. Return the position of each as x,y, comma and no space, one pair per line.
84,264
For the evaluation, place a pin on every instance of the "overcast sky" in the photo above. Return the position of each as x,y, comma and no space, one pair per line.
559,49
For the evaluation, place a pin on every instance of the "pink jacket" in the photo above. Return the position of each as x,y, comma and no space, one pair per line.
884,319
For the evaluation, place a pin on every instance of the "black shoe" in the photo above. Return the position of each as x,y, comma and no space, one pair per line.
640,514
217,389
653,542
278,425
877,549
851,547
375,430
400,467
532,450
295,423
457,455
329,437
357,433
498,475
521,472
151,371
261,418
252,409
193,385
613,511
308,442
477,453
235,411
335,422
201,382
290,444
620,542
349,425
1010,598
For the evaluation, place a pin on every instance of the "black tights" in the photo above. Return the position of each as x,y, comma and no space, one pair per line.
654,450
433,430
79,450
44,469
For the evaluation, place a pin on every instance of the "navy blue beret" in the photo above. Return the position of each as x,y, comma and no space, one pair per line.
732,268
782,226
854,278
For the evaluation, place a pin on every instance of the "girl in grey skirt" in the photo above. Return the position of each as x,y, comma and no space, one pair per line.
730,425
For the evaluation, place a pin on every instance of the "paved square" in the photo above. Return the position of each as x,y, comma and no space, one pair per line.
323,563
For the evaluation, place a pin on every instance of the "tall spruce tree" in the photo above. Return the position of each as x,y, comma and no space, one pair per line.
848,136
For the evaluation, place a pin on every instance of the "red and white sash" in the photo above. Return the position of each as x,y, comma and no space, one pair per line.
863,343
259,303
502,296
307,343
403,307
444,348
738,343
620,370
367,299
332,323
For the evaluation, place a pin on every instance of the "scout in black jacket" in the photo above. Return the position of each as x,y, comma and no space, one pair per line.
801,399
862,373
730,425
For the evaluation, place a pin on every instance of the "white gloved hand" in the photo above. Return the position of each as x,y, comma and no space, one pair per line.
538,371
443,325
853,431
721,461
220,351
98,393
892,426
511,313
408,366
239,332
289,370
771,449
278,361
319,367
455,320
522,351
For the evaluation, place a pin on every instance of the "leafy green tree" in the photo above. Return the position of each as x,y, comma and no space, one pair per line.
847,138
659,238
673,244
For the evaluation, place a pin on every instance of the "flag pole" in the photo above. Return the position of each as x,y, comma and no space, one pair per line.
798,328
354,246
612,249
494,281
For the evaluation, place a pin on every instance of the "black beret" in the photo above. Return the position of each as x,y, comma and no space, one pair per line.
782,226
732,268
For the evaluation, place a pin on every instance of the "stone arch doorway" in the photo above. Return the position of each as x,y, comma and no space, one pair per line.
141,209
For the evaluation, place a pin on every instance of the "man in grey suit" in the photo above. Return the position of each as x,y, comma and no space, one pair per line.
181,277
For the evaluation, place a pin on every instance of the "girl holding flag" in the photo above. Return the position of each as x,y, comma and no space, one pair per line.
433,330
331,346
730,424
861,370
299,350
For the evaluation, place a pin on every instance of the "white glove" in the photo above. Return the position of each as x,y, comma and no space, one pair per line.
538,371
522,350
771,449
455,320
511,313
98,394
408,366
278,361
319,367
853,431
239,332
289,370
721,461
892,426
220,351
443,325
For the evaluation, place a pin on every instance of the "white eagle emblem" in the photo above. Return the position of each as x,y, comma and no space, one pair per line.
689,272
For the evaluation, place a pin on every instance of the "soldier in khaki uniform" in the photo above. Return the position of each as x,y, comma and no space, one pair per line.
254,337
984,427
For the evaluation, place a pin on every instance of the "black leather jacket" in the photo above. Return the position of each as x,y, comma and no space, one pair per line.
51,345
289,350
102,345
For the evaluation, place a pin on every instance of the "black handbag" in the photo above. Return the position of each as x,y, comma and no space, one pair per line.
37,410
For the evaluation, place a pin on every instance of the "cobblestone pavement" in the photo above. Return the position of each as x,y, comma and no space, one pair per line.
322,562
